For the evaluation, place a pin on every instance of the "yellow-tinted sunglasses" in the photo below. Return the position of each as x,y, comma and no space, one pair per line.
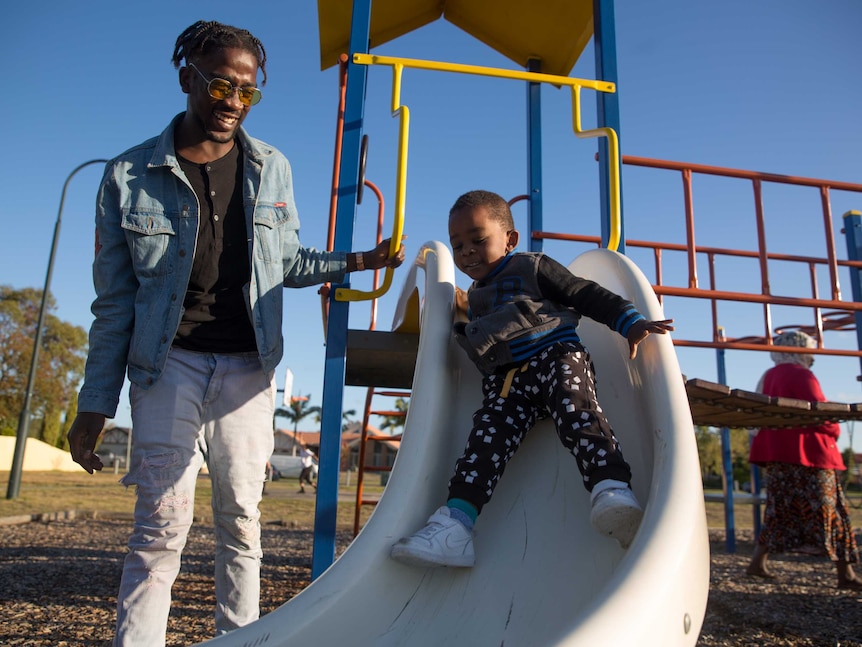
221,89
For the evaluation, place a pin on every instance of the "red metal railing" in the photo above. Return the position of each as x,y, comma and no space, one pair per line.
830,313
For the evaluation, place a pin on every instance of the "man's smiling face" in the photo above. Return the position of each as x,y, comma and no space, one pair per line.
218,119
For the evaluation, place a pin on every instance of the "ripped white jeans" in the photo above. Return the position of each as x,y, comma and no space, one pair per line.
205,408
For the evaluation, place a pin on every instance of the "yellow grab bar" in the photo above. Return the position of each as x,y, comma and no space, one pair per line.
348,294
398,64
536,77
613,164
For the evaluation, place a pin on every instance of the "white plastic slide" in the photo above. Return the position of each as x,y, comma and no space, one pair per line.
543,576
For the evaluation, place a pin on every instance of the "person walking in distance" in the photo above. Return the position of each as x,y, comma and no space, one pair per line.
305,474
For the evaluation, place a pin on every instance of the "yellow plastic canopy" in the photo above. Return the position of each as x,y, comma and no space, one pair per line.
553,31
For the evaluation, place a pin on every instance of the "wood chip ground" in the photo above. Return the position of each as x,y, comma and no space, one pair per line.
58,585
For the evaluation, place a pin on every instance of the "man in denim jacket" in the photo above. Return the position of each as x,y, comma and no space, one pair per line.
197,233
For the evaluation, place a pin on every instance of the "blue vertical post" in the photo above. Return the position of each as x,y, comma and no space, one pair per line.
326,505
534,155
605,45
853,236
726,464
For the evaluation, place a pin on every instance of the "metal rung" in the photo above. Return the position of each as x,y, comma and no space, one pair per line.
398,437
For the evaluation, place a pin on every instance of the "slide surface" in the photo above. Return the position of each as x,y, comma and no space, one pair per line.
543,576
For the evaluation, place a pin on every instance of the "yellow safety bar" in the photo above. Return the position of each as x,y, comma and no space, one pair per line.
398,64
347,294
613,163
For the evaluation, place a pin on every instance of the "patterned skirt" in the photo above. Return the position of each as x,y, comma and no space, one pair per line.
806,510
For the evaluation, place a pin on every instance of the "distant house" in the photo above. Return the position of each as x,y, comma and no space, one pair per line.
116,441
290,443
378,453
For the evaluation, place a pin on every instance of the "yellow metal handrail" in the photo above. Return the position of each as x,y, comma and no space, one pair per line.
398,65
347,294
613,163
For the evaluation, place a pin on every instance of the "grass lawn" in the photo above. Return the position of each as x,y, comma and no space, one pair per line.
743,516
100,494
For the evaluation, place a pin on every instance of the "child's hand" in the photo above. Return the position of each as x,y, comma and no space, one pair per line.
461,304
640,330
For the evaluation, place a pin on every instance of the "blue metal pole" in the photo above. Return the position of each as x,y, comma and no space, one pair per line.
605,45
853,236
726,463
534,155
326,506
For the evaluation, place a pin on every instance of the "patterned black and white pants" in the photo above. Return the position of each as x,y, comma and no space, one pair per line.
560,382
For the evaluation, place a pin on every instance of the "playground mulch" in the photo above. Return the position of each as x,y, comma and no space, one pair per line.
59,582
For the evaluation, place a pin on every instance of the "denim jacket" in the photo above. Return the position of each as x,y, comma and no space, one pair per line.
146,231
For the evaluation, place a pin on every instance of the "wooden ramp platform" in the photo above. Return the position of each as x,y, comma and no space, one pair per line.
717,405
388,359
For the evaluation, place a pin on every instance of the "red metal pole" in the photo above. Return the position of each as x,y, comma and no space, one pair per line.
689,228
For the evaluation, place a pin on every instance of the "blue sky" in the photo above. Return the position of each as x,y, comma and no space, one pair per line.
767,85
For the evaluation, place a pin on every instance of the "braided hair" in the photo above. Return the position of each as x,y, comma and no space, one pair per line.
204,37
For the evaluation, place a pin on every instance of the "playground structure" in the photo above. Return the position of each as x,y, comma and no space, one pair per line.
530,586
543,575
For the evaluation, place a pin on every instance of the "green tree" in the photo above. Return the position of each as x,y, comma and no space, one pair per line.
709,451
850,477
849,458
346,418
68,418
397,418
59,370
740,443
297,410
51,427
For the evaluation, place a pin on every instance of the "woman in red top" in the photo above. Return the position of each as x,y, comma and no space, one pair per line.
805,504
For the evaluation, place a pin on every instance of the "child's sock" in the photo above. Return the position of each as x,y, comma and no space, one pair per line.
463,511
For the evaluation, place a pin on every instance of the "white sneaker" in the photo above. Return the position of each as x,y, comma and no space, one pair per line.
444,541
616,512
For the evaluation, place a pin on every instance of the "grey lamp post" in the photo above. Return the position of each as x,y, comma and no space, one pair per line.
24,420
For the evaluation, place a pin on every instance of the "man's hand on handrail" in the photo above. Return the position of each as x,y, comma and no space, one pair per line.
377,258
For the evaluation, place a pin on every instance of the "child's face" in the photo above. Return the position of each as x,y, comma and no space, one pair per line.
479,242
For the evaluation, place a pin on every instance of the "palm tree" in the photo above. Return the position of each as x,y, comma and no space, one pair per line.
297,410
346,418
396,418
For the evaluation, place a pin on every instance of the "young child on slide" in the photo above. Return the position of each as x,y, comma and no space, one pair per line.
523,311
